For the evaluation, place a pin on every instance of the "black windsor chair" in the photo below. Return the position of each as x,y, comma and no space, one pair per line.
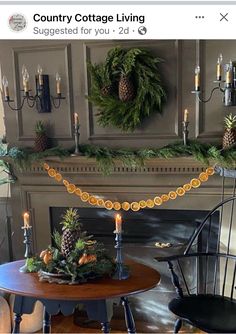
206,296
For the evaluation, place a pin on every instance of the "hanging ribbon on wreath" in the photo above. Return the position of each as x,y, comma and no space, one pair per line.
126,88
108,204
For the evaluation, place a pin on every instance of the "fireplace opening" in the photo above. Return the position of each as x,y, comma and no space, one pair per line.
142,230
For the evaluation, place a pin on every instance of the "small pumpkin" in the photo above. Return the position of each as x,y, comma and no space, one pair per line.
43,253
92,258
85,258
47,257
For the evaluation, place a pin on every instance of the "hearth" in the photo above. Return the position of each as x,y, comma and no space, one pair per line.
141,231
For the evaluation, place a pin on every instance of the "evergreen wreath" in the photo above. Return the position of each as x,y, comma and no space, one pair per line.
126,88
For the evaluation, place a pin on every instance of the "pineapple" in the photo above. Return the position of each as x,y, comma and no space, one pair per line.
126,88
41,140
230,131
71,231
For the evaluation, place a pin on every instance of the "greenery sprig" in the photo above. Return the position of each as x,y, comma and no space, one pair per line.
141,67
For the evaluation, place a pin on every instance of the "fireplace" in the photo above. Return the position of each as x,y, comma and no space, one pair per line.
46,200
141,231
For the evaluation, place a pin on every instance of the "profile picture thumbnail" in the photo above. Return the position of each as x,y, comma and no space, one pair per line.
17,22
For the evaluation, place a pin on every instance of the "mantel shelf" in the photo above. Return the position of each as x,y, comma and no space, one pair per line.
85,165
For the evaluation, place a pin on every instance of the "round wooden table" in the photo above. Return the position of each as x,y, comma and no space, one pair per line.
64,298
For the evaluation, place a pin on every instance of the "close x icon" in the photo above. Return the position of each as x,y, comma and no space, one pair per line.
224,17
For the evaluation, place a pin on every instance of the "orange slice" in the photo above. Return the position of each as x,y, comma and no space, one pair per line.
158,201
135,206
172,195
165,197
142,204
150,203
71,188
195,183
58,177
117,206
180,191
100,202
46,166
187,186
85,197
108,205
92,200
125,206
52,172
210,171
66,183
203,177
78,191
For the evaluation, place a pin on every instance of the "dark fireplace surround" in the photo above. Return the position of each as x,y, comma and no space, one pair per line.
173,223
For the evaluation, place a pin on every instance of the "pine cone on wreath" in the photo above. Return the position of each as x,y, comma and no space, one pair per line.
106,90
126,89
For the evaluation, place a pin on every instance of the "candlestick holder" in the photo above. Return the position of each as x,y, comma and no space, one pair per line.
28,251
77,135
122,271
185,132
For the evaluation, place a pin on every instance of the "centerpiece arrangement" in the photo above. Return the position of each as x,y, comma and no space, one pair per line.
74,256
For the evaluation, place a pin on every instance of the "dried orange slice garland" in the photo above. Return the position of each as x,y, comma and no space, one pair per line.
96,200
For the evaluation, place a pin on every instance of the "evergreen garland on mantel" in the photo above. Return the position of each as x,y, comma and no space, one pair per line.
207,154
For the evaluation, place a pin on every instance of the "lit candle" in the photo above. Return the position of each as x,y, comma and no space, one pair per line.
219,67
197,78
25,76
118,223
58,83
40,74
76,119
186,115
229,74
26,217
5,87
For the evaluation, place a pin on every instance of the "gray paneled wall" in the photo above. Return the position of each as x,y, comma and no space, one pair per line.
70,58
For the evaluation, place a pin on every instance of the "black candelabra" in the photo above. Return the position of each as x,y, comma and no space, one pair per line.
228,91
42,99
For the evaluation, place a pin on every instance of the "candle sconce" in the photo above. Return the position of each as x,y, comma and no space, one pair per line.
42,100
226,87
229,94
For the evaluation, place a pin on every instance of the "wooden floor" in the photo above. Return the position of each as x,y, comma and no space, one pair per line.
61,324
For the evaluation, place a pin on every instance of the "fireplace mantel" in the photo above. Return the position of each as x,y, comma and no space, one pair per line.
84,165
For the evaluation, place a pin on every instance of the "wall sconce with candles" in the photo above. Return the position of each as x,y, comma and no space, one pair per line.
227,87
42,99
